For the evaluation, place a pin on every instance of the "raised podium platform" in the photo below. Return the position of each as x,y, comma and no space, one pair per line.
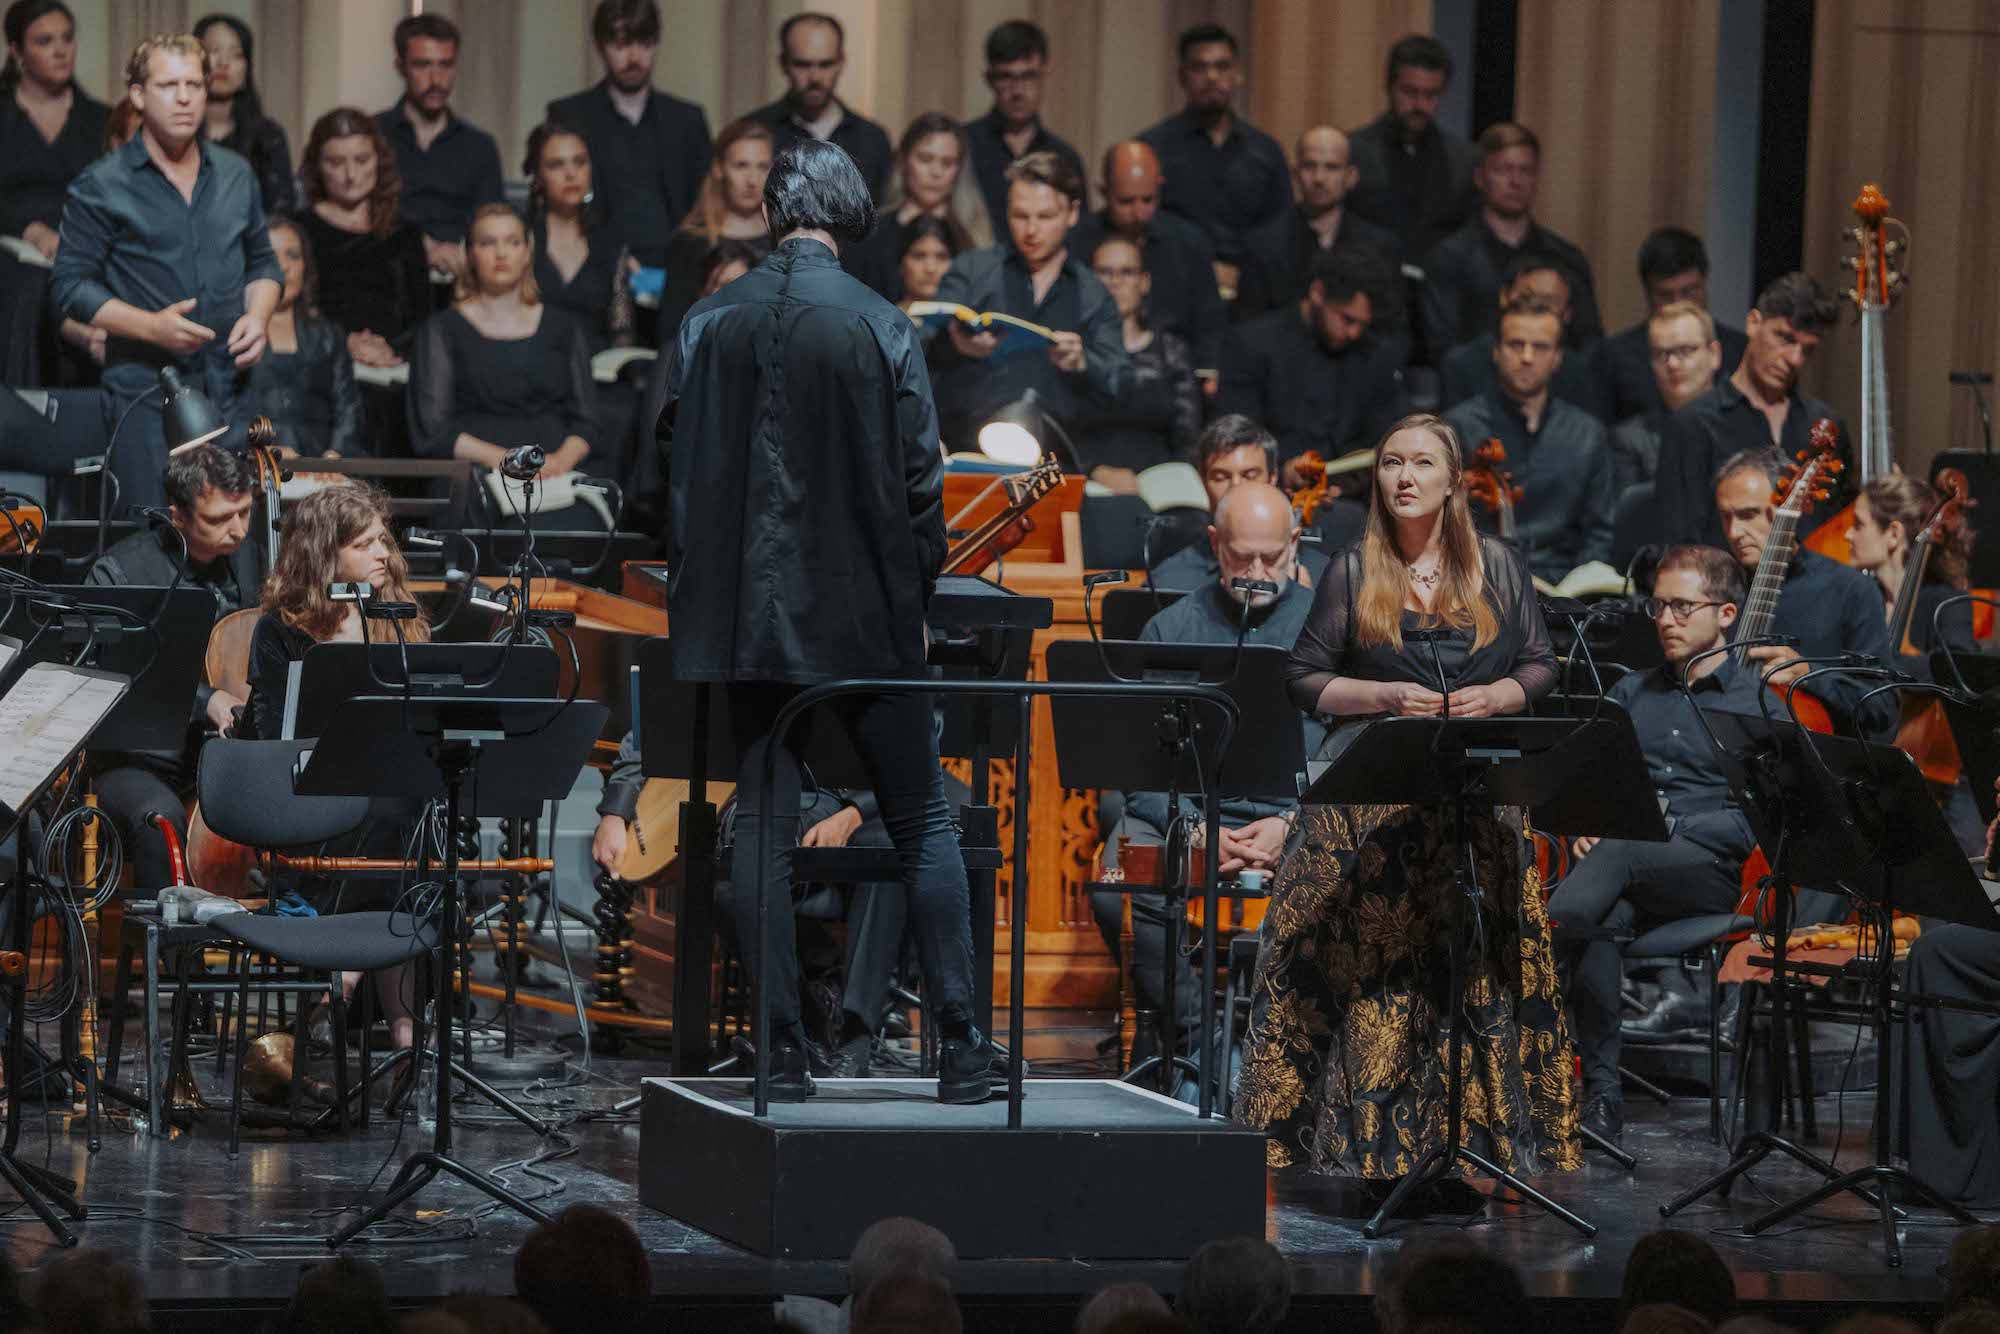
1099,1169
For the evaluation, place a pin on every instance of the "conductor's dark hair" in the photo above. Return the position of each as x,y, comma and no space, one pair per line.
434,26
195,471
1016,39
1202,34
1799,298
810,16
1229,433
815,184
1418,51
1346,271
626,21
1667,251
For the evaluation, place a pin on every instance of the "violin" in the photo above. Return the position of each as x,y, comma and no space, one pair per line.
1317,487
1489,485
1007,528
22,523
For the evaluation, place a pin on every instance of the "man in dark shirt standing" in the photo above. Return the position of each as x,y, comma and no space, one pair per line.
1555,450
164,248
1321,374
1757,407
448,167
800,419
648,151
1037,277
812,52
1223,173
1254,536
1412,177
1278,256
1633,886
1462,272
1178,258
1826,608
1017,66
1673,268
209,499
1468,369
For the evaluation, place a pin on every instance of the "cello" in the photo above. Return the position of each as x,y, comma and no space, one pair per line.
1878,264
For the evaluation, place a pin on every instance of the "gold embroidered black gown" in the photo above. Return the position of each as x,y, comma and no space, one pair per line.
1345,1066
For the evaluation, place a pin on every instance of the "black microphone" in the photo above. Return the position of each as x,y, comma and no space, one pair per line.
1570,607
523,463
1251,587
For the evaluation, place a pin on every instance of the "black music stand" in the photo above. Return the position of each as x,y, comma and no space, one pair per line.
330,674
515,752
1098,746
1888,833
1126,610
1974,719
40,1189
1567,772
172,668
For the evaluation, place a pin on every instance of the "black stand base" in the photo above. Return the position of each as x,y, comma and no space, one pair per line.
419,1170
40,1189
1758,1146
1593,1140
1436,1165
1883,1176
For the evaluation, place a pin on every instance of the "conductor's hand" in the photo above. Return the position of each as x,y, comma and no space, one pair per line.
1767,655
1258,844
1581,847
1406,699
1475,702
978,345
834,831
1066,353
607,848
175,332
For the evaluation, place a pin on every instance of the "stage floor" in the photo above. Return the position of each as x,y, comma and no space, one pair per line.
156,1203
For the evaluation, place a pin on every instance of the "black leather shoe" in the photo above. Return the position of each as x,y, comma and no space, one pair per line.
853,1058
1726,1017
965,1069
791,1077
1677,1018
1604,1116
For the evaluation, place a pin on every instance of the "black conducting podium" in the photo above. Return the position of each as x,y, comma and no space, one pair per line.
510,754
1575,776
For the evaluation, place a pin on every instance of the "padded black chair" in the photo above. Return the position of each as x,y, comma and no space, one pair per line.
246,797
1635,523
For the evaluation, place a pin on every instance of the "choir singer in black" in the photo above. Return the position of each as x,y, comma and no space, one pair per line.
806,529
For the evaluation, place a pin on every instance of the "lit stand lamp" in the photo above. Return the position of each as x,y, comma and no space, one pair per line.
1015,435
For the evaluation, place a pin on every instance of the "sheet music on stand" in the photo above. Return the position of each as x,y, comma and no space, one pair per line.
47,716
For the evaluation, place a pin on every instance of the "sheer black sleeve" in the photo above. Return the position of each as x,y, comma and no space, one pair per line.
432,395
1521,623
1321,648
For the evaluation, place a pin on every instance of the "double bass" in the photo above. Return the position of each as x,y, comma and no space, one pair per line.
1878,264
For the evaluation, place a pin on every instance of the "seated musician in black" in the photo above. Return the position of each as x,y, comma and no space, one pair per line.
338,535
1630,885
1467,370
1234,451
1826,607
1887,515
1254,537
209,497
876,912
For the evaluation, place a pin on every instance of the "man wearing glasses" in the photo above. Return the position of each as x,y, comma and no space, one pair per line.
1685,354
1017,67
1632,886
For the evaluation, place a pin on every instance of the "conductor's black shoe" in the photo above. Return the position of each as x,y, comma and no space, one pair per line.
853,1058
791,1079
1604,1116
1677,1018
965,1069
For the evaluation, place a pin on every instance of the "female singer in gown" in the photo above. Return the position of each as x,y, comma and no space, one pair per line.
338,535
1344,1062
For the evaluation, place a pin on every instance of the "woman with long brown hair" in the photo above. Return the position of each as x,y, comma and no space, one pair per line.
1887,516
374,280
932,178
1345,1062
582,263
50,129
336,536
731,208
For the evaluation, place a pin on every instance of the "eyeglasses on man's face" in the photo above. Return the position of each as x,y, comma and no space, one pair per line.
1679,608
